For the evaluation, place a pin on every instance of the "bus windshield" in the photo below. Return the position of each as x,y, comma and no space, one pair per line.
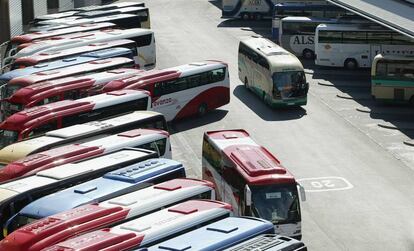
276,203
8,137
289,84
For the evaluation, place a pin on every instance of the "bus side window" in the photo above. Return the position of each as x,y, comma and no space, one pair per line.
212,156
45,127
72,94
217,75
162,145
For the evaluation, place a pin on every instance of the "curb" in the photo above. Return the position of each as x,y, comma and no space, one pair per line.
363,109
393,127
409,142
325,84
344,96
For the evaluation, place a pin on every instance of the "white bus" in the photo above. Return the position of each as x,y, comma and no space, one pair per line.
77,134
114,211
274,74
150,229
297,34
151,139
355,46
143,38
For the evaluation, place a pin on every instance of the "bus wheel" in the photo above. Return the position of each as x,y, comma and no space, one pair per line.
308,54
351,64
245,16
202,109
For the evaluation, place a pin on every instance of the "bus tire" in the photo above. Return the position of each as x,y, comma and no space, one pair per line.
308,54
202,109
351,64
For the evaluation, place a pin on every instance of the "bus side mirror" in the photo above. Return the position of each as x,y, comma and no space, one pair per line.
302,192
248,195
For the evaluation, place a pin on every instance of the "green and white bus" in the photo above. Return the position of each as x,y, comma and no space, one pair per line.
392,78
271,72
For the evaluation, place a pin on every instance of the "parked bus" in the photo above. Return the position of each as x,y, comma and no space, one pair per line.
79,10
272,73
141,12
252,180
392,79
40,119
16,194
9,87
77,134
248,10
297,34
355,46
109,186
61,89
312,9
108,213
217,236
270,242
45,57
144,39
184,90
150,229
151,139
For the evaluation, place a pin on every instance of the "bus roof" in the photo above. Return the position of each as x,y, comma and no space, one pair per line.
279,59
307,6
218,235
308,19
254,162
69,134
269,242
69,153
352,27
89,217
50,68
112,184
35,115
29,37
32,94
150,228
77,69
53,55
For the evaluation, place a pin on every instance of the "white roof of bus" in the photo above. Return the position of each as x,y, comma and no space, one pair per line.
68,170
65,43
309,19
278,57
25,184
224,143
196,67
351,27
113,98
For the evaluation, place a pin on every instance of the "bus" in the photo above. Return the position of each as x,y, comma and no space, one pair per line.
141,12
40,119
217,236
272,73
150,229
297,34
312,9
270,242
46,57
16,194
252,180
144,39
51,91
354,46
107,213
109,186
79,10
392,79
77,134
248,10
184,90
10,86
151,139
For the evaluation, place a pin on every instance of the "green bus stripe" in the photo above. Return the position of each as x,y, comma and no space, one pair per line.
392,83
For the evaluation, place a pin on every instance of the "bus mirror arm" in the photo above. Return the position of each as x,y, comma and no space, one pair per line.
302,192
248,195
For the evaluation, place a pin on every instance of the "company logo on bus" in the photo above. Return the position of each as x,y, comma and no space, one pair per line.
328,47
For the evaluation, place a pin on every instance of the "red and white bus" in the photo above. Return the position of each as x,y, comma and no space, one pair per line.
150,139
252,180
184,90
45,57
150,229
61,89
114,211
40,119
81,69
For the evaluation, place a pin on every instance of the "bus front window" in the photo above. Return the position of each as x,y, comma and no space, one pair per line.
289,84
278,204
8,137
10,90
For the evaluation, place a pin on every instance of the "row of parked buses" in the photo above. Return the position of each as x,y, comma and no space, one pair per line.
85,152
336,37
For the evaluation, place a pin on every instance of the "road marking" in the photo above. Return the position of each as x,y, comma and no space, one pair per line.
325,184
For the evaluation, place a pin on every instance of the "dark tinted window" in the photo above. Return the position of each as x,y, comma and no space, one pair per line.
354,37
143,40
330,36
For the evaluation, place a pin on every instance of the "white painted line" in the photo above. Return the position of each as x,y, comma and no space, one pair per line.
325,184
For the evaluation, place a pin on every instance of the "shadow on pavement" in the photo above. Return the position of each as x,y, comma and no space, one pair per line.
193,122
217,3
265,112
262,27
